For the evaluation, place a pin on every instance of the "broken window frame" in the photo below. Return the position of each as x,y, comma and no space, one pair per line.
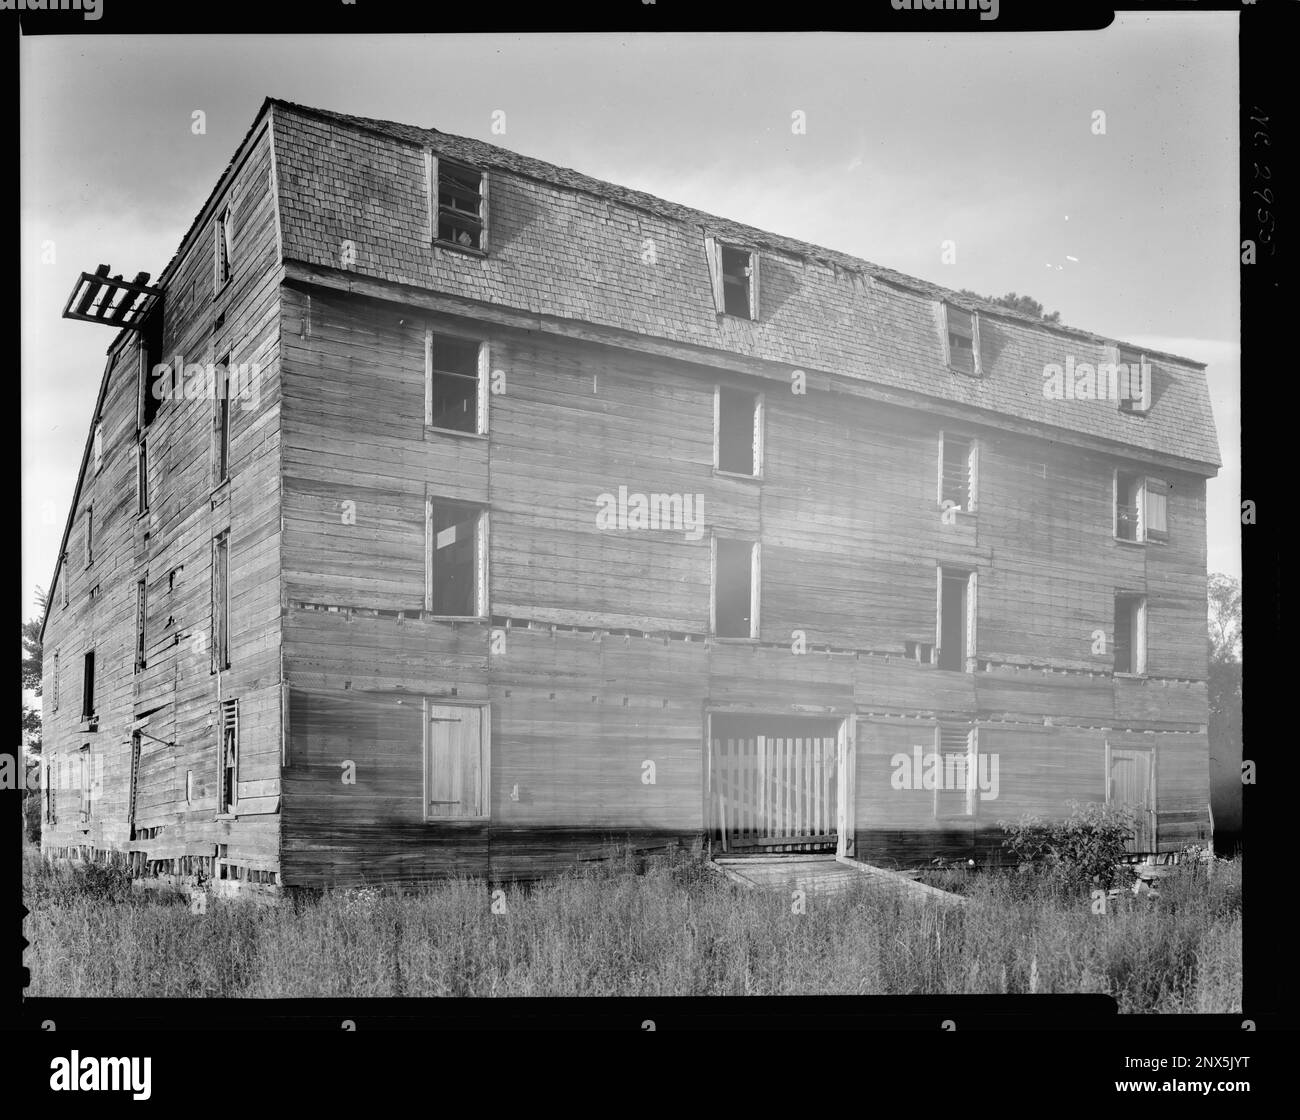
1136,605
943,809
97,445
946,312
969,655
64,595
480,378
969,503
720,280
51,803
437,169
432,706
54,684
755,586
228,751
756,430
90,534
480,548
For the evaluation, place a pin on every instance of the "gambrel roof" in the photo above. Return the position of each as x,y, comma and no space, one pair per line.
563,244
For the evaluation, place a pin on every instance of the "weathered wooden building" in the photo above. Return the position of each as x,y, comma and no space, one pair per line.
446,511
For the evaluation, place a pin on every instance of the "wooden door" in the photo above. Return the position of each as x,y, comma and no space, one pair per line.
1132,789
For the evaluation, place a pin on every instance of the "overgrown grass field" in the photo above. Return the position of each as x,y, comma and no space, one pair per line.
676,929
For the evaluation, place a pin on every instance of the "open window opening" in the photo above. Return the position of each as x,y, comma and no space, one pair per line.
956,646
735,588
1141,507
738,431
1130,634
456,559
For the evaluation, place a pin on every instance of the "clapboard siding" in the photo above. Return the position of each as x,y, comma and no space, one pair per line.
170,547
594,658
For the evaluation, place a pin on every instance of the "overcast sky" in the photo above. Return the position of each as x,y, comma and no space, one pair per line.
985,140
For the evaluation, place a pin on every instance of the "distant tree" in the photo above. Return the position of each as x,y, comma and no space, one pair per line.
1225,706
1027,305
32,670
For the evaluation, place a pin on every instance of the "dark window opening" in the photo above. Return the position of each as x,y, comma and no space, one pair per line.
142,476
88,686
460,205
738,419
953,630
152,386
90,535
221,421
734,589
454,559
737,272
453,384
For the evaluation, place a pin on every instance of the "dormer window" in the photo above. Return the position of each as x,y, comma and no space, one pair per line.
961,334
1134,375
458,204
733,273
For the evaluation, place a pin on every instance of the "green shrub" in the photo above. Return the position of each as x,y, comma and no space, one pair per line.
1087,848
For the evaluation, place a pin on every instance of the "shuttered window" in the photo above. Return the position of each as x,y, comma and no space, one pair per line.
228,773
456,745
141,613
957,472
954,792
